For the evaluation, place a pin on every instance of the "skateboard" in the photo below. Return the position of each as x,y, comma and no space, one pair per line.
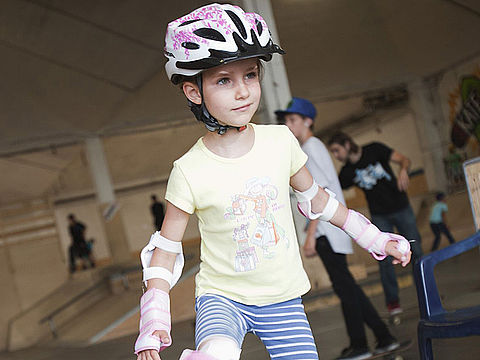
397,319
393,354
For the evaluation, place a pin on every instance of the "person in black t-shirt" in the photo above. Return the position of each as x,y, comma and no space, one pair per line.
368,168
79,247
157,212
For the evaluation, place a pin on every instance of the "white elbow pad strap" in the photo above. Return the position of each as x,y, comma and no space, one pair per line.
305,203
330,208
158,241
154,315
369,237
157,272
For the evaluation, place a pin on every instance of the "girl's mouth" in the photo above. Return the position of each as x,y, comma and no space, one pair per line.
242,108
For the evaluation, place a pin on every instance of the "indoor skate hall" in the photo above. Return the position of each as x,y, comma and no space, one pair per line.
90,126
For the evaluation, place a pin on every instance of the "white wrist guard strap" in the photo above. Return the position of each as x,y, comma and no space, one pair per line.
305,203
369,237
154,315
157,240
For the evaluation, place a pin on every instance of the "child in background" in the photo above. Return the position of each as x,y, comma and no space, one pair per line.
236,180
438,221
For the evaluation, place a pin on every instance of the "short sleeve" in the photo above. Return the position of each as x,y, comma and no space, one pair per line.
178,191
298,158
345,180
382,151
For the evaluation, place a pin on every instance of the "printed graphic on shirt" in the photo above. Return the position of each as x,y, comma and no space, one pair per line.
368,177
256,228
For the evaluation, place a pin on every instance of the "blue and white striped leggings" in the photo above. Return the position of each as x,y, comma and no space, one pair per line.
283,327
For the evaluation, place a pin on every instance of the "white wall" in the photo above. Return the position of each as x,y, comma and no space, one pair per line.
137,220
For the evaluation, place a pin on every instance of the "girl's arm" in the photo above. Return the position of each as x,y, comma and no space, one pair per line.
302,181
173,228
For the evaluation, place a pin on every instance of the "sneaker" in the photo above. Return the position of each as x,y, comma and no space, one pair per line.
351,353
394,308
386,345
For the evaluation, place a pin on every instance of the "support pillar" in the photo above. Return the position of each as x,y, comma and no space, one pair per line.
275,87
112,219
425,102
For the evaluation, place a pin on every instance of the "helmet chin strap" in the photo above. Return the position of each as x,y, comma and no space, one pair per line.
202,114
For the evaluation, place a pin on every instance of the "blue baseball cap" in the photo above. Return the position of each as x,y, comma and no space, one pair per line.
298,106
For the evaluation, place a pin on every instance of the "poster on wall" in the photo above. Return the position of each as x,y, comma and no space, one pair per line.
472,177
460,92
466,123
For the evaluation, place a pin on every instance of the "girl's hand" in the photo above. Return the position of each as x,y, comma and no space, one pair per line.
148,355
153,354
399,258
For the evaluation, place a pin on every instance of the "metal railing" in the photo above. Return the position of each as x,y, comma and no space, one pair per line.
122,274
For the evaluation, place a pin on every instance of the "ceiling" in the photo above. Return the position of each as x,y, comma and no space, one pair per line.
77,68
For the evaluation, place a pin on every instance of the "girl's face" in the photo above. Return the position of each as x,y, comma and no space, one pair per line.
232,91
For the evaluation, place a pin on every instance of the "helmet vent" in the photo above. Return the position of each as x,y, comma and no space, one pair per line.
210,34
259,27
238,23
190,45
188,22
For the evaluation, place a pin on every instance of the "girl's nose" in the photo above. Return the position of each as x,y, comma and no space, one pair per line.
242,90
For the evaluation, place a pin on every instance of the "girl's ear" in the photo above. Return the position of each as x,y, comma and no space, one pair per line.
192,92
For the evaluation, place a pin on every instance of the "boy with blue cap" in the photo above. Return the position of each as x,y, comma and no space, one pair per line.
332,244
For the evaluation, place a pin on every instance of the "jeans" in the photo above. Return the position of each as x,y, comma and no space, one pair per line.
356,307
438,229
405,223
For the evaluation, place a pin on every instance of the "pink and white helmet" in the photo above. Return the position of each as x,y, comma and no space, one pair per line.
214,35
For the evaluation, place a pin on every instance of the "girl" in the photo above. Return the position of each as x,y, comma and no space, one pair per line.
236,180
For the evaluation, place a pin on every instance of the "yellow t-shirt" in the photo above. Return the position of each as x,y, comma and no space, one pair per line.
249,249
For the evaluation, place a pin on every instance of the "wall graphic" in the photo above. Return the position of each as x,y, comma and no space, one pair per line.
465,110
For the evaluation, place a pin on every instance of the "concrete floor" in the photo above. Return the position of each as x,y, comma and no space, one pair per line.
326,321
458,281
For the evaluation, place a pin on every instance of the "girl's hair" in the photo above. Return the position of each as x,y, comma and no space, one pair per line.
440,196
342,139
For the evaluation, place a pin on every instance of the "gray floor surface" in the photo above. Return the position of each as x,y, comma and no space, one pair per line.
458,282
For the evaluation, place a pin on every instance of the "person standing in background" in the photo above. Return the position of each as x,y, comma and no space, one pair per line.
368,167
331,244
157,212
438,221
79,247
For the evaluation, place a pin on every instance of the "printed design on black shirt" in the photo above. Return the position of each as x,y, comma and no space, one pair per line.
368,177
256,228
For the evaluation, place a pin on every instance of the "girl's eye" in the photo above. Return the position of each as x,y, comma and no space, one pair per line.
222,81
252,75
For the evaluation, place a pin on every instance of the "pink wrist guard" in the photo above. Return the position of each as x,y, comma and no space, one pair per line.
369,237
154,315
